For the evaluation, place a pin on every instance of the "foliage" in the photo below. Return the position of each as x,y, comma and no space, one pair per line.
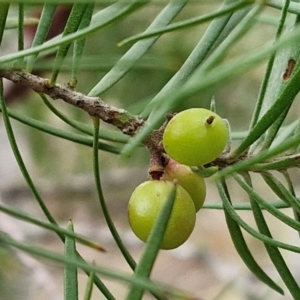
149,82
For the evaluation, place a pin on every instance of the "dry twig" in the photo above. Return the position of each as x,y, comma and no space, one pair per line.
94,106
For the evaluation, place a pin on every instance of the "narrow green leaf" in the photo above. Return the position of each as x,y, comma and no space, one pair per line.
186,24
264,99
216,32
25,217
72,25
104,62
282,70
70,272
206,172
296,132
19,159
21,27
286,132
103,18
88,268
267,176
271,209
41,31
102,201
246,164
138,50
238,135
108,135
230,209
273,130
35,2
79,44
240,243
243,205
89,287
97,281
282,192
278,164
285,99
77,125
294,7
4,7
146,263
31,185
238,32
291,189
67,135
273,252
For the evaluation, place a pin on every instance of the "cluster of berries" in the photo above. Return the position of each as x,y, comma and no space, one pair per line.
193,137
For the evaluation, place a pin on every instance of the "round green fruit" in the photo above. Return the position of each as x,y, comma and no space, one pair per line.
195,137
145,204
190,181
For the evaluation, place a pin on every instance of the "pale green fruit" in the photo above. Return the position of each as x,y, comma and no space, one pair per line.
195,137
145,205
190,181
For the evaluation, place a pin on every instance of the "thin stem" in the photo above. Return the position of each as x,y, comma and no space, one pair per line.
79,126
20,161
42,30
244,206
273,252
260,201
70,272
281,191
291,189
3,17
67,135
72,25
89,287
79,44
239,241
21,27
228,206
29,219
103,205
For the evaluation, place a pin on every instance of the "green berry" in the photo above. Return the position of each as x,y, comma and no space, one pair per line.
145,205
190,181
195,137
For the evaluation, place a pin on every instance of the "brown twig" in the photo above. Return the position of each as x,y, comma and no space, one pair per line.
158,157
94,106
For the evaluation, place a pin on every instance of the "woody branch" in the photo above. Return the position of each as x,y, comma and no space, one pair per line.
94,106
